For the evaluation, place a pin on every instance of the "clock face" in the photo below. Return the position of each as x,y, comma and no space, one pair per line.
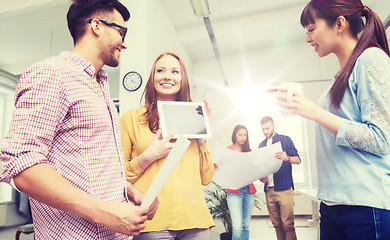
132,81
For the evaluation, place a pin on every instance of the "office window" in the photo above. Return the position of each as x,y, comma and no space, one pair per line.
257,103
231,106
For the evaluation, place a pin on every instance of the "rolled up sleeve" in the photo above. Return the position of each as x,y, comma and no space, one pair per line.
39,106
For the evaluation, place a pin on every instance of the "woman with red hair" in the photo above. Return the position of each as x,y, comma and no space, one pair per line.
182,212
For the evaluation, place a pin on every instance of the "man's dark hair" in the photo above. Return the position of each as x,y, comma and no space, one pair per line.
266,119
82,10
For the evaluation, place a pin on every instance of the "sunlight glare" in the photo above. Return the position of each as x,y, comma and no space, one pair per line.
251,98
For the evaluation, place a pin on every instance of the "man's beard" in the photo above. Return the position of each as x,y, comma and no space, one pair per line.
111,60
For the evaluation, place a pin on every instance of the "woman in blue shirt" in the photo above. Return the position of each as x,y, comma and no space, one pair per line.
353,116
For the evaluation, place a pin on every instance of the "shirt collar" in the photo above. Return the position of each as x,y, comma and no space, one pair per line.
87,66
275,138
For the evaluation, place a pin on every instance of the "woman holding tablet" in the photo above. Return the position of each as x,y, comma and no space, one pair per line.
182,212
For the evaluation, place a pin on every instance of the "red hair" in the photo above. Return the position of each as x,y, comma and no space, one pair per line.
151,115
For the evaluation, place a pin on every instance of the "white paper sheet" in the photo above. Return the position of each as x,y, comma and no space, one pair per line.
238,169
166,169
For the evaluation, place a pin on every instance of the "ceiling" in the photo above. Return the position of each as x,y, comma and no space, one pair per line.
239,26
31,30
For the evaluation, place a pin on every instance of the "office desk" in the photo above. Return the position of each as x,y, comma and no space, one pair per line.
315,207
312,194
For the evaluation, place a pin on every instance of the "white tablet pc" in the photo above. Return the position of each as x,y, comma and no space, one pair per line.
188,119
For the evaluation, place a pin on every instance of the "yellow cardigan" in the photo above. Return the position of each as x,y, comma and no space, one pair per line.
182,201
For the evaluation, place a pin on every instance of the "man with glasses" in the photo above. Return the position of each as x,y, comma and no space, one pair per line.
121,29
64,147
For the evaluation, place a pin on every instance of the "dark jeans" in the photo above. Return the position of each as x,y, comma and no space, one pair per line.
343,222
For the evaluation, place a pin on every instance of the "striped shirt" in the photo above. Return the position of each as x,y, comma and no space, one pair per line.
63,118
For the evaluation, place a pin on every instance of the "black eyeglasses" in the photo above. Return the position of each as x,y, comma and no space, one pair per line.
122,30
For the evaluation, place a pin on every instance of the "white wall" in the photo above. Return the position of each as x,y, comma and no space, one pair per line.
150,34
286,63
6,108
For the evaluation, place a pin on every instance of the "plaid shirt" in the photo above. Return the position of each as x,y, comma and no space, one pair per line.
283,177
63,118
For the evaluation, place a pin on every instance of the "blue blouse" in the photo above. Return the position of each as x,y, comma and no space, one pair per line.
354,166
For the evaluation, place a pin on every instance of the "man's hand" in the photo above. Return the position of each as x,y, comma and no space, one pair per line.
136,196
153,209
282,156
43,183
125,218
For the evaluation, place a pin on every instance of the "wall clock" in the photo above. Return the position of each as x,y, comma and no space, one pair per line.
132,81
